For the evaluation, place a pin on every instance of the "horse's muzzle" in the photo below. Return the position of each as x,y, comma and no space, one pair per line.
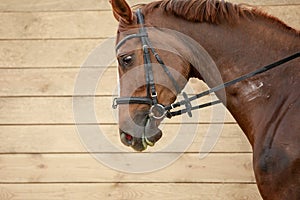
141,139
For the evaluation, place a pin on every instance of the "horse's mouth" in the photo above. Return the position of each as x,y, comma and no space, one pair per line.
149,137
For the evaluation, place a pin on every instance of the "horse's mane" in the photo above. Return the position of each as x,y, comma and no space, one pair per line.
210,11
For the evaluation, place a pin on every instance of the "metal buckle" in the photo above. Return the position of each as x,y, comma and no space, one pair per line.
154,94
157,111
146,49
114,104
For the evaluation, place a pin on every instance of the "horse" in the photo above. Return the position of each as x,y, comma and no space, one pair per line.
239,38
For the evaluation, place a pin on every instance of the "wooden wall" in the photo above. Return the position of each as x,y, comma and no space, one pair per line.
43,43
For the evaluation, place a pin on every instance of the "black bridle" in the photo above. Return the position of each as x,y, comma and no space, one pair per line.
159,111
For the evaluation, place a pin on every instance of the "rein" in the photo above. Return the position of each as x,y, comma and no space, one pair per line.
159,111
227,84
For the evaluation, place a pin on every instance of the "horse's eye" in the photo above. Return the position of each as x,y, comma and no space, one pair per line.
126,61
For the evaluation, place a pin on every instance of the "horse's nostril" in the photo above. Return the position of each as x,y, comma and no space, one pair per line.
126,138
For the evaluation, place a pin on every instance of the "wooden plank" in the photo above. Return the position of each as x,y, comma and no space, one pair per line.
79,168
45,53
50,110
76,5
61,82
145,191
286,14
51,5
89,24
57,139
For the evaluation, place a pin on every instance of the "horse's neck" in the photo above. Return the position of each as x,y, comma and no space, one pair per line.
240,49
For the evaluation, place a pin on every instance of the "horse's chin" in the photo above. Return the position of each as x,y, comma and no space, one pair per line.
144,142
149,136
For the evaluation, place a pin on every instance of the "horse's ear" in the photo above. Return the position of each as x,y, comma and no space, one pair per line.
122,10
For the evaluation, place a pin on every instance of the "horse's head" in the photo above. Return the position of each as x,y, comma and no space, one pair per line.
147,83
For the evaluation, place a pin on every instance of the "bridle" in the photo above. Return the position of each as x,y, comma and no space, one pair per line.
159,111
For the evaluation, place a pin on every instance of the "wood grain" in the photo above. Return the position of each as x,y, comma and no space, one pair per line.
61,82
59,110
41,25
45,53
66,139
82,168
145,191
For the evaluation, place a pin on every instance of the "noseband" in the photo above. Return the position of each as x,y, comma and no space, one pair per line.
159,111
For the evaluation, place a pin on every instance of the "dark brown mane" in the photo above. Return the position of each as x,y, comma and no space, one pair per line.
211,11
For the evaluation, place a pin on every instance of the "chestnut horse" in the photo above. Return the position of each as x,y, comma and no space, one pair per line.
239,39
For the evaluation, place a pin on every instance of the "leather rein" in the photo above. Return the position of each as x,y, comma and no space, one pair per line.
159,111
